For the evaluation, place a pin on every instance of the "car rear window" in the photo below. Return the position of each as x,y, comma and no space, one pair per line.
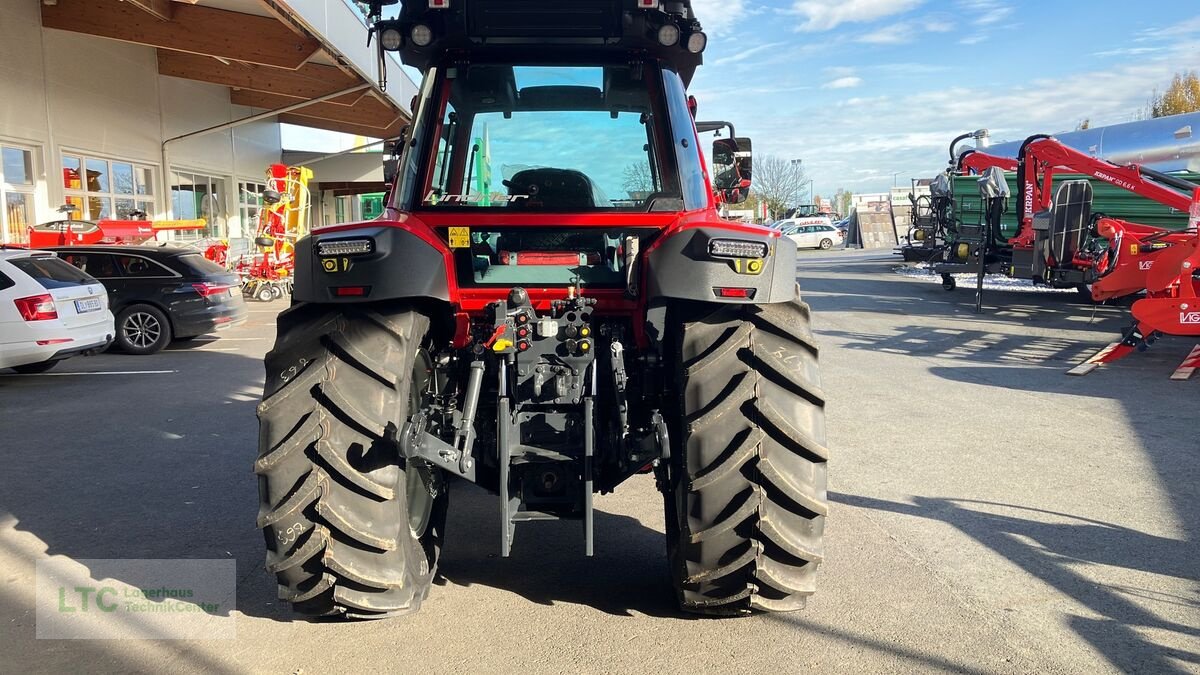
52,272
194,262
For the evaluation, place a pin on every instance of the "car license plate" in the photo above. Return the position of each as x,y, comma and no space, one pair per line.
87,305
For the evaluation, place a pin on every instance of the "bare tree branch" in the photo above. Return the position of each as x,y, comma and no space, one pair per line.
779,182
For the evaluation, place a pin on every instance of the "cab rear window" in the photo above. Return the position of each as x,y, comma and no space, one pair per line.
52,272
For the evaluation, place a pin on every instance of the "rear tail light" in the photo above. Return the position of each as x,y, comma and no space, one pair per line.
728,292
37,307
207,289
350,291
59,341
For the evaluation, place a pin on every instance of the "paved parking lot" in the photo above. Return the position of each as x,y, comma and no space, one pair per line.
990,513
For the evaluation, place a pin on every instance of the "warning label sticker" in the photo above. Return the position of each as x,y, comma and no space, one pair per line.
460,237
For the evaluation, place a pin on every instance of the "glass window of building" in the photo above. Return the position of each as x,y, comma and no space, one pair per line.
249,202
195,195
102,188
17,184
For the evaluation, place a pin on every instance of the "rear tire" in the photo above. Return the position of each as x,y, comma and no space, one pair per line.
142,330
335,494
34,368
826,244
746,505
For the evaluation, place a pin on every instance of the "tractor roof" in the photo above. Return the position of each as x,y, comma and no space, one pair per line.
428,32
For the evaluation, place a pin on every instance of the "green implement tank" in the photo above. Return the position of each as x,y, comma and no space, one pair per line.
1107,199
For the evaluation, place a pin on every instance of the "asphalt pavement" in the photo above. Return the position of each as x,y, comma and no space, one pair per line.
990,513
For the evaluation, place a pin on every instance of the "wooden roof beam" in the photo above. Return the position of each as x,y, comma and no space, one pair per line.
194,29
369,111
308,81
160,9
345,127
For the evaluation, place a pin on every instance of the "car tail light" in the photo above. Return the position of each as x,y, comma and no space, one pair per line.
58,341
350,291
207,289
37,307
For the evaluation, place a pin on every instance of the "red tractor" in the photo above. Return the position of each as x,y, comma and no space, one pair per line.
583,318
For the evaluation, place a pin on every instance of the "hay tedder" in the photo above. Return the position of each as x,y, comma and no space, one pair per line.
284,217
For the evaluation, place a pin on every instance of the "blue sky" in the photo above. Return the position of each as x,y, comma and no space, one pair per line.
863,89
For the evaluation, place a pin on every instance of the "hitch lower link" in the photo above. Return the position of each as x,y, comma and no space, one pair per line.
417,442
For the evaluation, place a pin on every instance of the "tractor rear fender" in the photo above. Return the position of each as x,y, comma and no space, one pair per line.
688,265
396,263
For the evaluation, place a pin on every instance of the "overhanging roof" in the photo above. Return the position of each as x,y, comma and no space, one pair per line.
270,53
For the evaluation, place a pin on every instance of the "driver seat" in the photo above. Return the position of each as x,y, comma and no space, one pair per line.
552,189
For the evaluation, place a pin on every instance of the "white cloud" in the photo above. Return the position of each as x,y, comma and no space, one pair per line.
745,54
720,16
843,83
858,141
840,71
1185,27
1129,51
993,16
822,15
986,12
939,26
895,34
973,39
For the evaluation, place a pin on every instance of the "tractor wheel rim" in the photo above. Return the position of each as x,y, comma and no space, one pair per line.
418,475
418,498
142,329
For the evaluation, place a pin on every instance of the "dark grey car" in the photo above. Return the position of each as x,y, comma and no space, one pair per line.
160,293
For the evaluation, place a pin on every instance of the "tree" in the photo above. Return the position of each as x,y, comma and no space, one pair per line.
637,178
841,201
779,182
1181,96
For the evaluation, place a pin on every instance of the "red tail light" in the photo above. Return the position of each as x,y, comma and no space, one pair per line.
37,307
207,289
727,292
350,291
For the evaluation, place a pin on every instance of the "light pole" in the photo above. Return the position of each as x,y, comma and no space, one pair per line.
894,174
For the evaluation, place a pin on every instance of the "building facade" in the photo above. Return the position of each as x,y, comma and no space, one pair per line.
84,117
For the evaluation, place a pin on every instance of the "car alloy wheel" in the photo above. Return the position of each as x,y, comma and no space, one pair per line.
142,329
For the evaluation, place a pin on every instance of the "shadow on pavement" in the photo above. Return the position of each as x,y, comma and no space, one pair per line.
627,574
1020,343
153,466
1051,551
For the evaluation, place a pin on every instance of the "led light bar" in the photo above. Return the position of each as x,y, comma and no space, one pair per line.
737,248
345,247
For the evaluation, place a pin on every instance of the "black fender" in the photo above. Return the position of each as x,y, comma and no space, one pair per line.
682,268
399,265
